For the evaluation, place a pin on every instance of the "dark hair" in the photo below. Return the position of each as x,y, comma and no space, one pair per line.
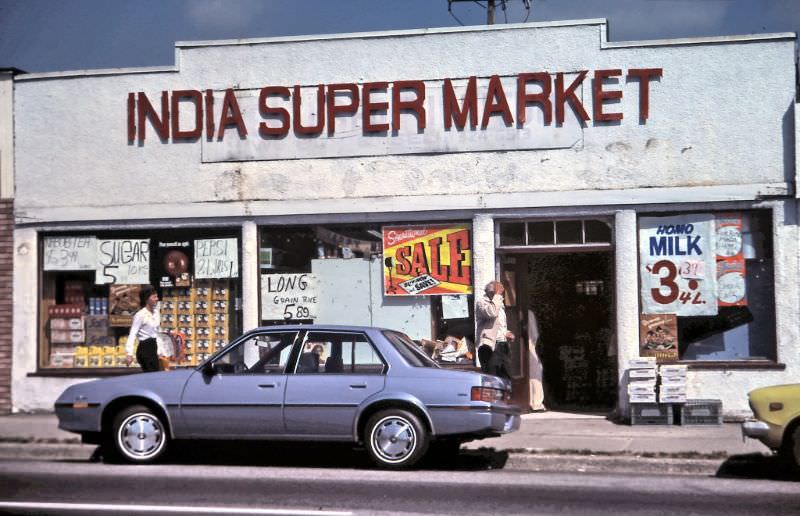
145,293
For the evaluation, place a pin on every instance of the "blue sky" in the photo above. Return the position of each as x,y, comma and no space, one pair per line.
53,35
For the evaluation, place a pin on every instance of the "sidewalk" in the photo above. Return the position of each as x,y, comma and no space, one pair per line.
545,442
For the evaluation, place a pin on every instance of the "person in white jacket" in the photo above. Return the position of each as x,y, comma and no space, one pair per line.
490,329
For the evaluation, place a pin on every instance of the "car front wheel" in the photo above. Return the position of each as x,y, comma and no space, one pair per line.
792,450
139,435
396,439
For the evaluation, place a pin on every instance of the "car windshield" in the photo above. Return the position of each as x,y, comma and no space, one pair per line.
410,351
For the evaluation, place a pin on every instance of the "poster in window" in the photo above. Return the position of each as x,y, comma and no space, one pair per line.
678,265
658,336
427,260
731,289
123,262
70,253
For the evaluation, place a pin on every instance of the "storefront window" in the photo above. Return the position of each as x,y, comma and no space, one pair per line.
707,286
574,232
90,292
415,279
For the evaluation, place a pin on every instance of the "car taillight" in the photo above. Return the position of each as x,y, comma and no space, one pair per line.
487,394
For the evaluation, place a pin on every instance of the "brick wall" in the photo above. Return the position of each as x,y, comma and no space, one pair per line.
6,281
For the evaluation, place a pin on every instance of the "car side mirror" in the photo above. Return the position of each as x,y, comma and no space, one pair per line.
208,369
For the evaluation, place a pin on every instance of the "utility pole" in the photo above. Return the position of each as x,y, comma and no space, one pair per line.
490,12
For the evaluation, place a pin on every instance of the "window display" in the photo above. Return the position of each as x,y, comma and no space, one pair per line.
707,286
374,275
90,292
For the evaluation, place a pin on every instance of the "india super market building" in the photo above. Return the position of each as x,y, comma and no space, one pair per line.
637,198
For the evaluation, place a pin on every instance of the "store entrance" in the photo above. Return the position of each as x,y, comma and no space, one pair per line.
565,306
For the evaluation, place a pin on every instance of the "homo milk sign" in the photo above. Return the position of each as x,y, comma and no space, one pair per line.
678,265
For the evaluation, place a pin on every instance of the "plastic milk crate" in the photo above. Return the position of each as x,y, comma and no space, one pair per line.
651,414
701,412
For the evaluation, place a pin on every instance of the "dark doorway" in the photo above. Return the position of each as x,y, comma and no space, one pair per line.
571,297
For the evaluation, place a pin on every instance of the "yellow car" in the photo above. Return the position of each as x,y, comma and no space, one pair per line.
777,420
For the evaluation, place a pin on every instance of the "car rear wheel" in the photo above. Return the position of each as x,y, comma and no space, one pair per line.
396,439
139,435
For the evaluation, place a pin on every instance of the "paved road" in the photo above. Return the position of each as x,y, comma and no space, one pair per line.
64,487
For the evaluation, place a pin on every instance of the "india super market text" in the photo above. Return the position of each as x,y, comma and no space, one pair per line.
190,114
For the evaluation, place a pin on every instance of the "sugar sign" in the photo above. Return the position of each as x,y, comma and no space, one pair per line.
123,262
216,258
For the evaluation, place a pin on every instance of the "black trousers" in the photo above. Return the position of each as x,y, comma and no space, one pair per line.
500,361
147,355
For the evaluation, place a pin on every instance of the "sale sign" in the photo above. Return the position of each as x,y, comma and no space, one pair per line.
678,265
427,260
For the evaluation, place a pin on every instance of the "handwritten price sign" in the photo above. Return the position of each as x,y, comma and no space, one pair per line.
678,265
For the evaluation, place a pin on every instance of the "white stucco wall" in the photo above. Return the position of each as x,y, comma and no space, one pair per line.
719,117
721,128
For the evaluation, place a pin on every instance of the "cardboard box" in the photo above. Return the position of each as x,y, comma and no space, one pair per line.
95,325
672,370
641,373
67,337
672,398
69,324
645,387
673,380
62,359
642,363
62,311
100,340
672,389
642,398
123,299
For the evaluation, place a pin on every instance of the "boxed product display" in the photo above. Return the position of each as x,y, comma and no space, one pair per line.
672,380
642,363
67,337
641,373
642,387
672,370
671,398
672,389
642,398
63,323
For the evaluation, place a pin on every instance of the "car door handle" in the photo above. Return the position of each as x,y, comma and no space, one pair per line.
266,386
358,386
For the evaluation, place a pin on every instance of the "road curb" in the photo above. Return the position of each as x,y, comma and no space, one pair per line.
511,460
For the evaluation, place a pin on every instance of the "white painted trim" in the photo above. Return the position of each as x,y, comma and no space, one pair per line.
94,73
250,271
709,40
388,33
405,204
626,284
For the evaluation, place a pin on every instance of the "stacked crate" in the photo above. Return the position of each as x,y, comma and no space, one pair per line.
201,314
672,384
642,394
66,332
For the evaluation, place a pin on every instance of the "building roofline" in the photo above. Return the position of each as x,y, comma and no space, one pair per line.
12,70
604,44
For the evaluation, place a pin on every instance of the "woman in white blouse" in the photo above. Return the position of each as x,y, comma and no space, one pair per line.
145,327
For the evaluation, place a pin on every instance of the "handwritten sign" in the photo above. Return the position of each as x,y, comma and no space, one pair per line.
70,253
678,265
123,262
216,258
287,297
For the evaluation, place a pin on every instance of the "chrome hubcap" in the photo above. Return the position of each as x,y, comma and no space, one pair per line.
141,436
394,439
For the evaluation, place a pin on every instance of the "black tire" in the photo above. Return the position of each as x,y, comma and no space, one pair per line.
138,436
395,439
791,450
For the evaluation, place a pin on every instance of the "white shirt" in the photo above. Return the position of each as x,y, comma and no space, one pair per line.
146,325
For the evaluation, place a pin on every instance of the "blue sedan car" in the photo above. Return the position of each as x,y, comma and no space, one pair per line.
318,383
